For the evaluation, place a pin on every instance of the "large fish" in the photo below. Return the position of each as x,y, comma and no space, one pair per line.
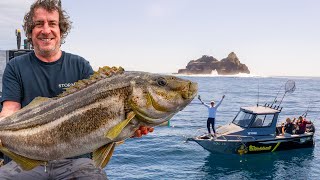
92,116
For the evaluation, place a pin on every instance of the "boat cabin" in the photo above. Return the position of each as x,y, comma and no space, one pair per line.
252,121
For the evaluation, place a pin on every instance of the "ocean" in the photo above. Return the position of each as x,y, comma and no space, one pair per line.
165,154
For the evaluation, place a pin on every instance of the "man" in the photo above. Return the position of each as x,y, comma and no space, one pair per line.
302,125
288,127
45,72
212,109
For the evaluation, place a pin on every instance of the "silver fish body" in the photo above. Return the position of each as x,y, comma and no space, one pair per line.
79,120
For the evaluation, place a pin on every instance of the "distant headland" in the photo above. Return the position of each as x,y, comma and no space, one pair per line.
206,64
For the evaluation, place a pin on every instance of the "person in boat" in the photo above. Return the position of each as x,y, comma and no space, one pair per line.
288,127
301,125
212,110
45,72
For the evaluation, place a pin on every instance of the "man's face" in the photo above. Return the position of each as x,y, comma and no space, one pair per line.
46,36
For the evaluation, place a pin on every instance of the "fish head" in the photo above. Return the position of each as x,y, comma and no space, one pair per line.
157,98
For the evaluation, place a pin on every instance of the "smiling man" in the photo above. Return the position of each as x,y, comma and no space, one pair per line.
46,37
45,72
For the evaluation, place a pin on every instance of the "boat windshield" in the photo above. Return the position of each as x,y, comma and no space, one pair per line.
243,119
262,120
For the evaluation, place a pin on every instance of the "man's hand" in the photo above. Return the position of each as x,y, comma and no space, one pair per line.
223,96
143,130
199,97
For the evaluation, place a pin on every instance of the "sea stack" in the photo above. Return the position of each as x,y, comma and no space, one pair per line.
230,65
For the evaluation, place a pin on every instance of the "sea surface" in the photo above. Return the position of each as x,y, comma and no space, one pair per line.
165,154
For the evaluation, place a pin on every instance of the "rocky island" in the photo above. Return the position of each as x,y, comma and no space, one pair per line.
206,64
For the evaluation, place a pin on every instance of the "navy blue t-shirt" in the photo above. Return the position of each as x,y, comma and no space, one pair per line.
26,77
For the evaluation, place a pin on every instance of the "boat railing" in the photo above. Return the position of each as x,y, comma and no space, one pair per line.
237,137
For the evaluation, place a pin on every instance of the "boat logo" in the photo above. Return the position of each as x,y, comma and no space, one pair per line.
261,148
242,150
252,133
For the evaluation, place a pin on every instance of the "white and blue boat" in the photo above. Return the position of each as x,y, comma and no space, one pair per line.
254,130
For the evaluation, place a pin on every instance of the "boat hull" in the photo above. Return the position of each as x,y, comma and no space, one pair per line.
279,143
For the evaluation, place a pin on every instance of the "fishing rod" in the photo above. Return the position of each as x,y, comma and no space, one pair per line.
309,108
275,99
306,112
290,87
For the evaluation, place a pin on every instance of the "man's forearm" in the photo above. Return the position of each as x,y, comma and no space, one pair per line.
9,108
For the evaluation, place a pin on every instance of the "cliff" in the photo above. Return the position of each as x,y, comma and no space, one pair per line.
206,64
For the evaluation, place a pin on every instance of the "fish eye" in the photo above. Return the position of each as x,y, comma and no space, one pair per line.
161,81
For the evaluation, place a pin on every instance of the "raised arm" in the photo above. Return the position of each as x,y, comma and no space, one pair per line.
200,99
220,101
207,105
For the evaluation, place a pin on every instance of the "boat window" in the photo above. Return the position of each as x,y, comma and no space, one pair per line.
268,120
263,120
258,122
243,119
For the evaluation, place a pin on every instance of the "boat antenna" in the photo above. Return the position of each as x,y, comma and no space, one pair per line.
290,87
258,93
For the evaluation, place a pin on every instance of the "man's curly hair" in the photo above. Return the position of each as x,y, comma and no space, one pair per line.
49,5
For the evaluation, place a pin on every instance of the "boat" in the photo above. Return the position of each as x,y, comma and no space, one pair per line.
254,130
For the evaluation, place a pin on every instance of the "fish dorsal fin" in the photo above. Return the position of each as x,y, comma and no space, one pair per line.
102,155
24,162
102,73
38,100
116,130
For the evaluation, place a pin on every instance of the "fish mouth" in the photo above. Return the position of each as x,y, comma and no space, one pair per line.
151,120
156,105
190,91
147,119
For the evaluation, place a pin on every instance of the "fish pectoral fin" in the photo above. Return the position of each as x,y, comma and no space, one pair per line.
102,155
116,130
119,142
24,162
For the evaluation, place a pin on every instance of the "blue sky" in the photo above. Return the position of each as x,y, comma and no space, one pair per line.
272,37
